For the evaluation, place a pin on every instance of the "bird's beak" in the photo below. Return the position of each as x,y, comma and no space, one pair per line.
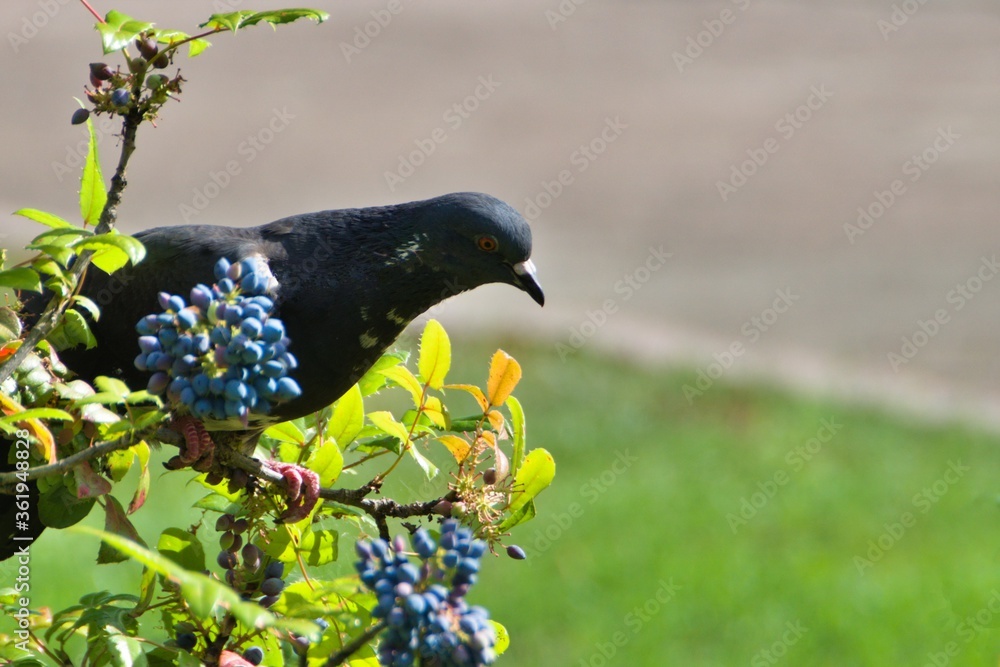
524,275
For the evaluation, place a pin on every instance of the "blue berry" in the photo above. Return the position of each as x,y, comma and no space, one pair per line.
120,97
254,655
275,569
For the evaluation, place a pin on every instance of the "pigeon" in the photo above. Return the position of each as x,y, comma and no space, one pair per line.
345,283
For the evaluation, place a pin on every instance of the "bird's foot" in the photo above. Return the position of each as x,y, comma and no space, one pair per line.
303,490
199,448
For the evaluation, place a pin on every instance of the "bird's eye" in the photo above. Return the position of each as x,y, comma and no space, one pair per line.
487,243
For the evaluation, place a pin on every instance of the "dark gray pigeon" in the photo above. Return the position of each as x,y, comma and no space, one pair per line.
347,283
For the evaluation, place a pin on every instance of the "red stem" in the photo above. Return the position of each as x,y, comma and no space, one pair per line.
92,11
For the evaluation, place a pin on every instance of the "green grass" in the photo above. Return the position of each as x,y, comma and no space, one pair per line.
644,486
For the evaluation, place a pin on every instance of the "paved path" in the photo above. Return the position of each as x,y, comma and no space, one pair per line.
741,138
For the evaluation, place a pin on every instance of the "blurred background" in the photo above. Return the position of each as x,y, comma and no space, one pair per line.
768,240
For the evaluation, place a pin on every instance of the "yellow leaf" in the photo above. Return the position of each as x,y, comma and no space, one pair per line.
490,438
384,421
45,443
435,411
497,422
476,392
402,376
435,355
458,447
505,373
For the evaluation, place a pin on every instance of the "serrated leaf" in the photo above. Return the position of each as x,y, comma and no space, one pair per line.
182,548
434,410
286,432
348,418
435,355
88,304
517,427
197,46
43,217
385,422
119,29
458,447
402,376
61,237
77,330
474,391
112,386
524,513
327,461
116,522
93,194
373,380
430,470
245,18
131,246
203,595
505,373
37,413
535,475
21,278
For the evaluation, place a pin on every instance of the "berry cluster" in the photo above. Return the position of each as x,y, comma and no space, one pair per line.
428,619
245,578
223,356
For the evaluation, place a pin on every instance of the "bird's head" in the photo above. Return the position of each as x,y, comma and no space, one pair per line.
477,239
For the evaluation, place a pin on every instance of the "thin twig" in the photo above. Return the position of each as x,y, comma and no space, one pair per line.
354,645
55,310
9,479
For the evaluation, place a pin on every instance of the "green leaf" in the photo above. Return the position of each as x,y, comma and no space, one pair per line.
197,46
119,29
36,413
435,354
47,219
124,651
203,595
87,304
402,376
373,380
109,259
517,432
524,513
326,461
93,194
535,475
245,18
132,247
348,418
60,237
76,330
182,548
430,470
10,325
286,432
59,508
21,278
116,522
385,422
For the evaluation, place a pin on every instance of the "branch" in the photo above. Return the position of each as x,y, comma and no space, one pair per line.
9,479
352,646
55,310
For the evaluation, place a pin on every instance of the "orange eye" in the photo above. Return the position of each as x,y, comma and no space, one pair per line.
487,243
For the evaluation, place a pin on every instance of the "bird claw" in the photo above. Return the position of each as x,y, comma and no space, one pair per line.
199,448
303,490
